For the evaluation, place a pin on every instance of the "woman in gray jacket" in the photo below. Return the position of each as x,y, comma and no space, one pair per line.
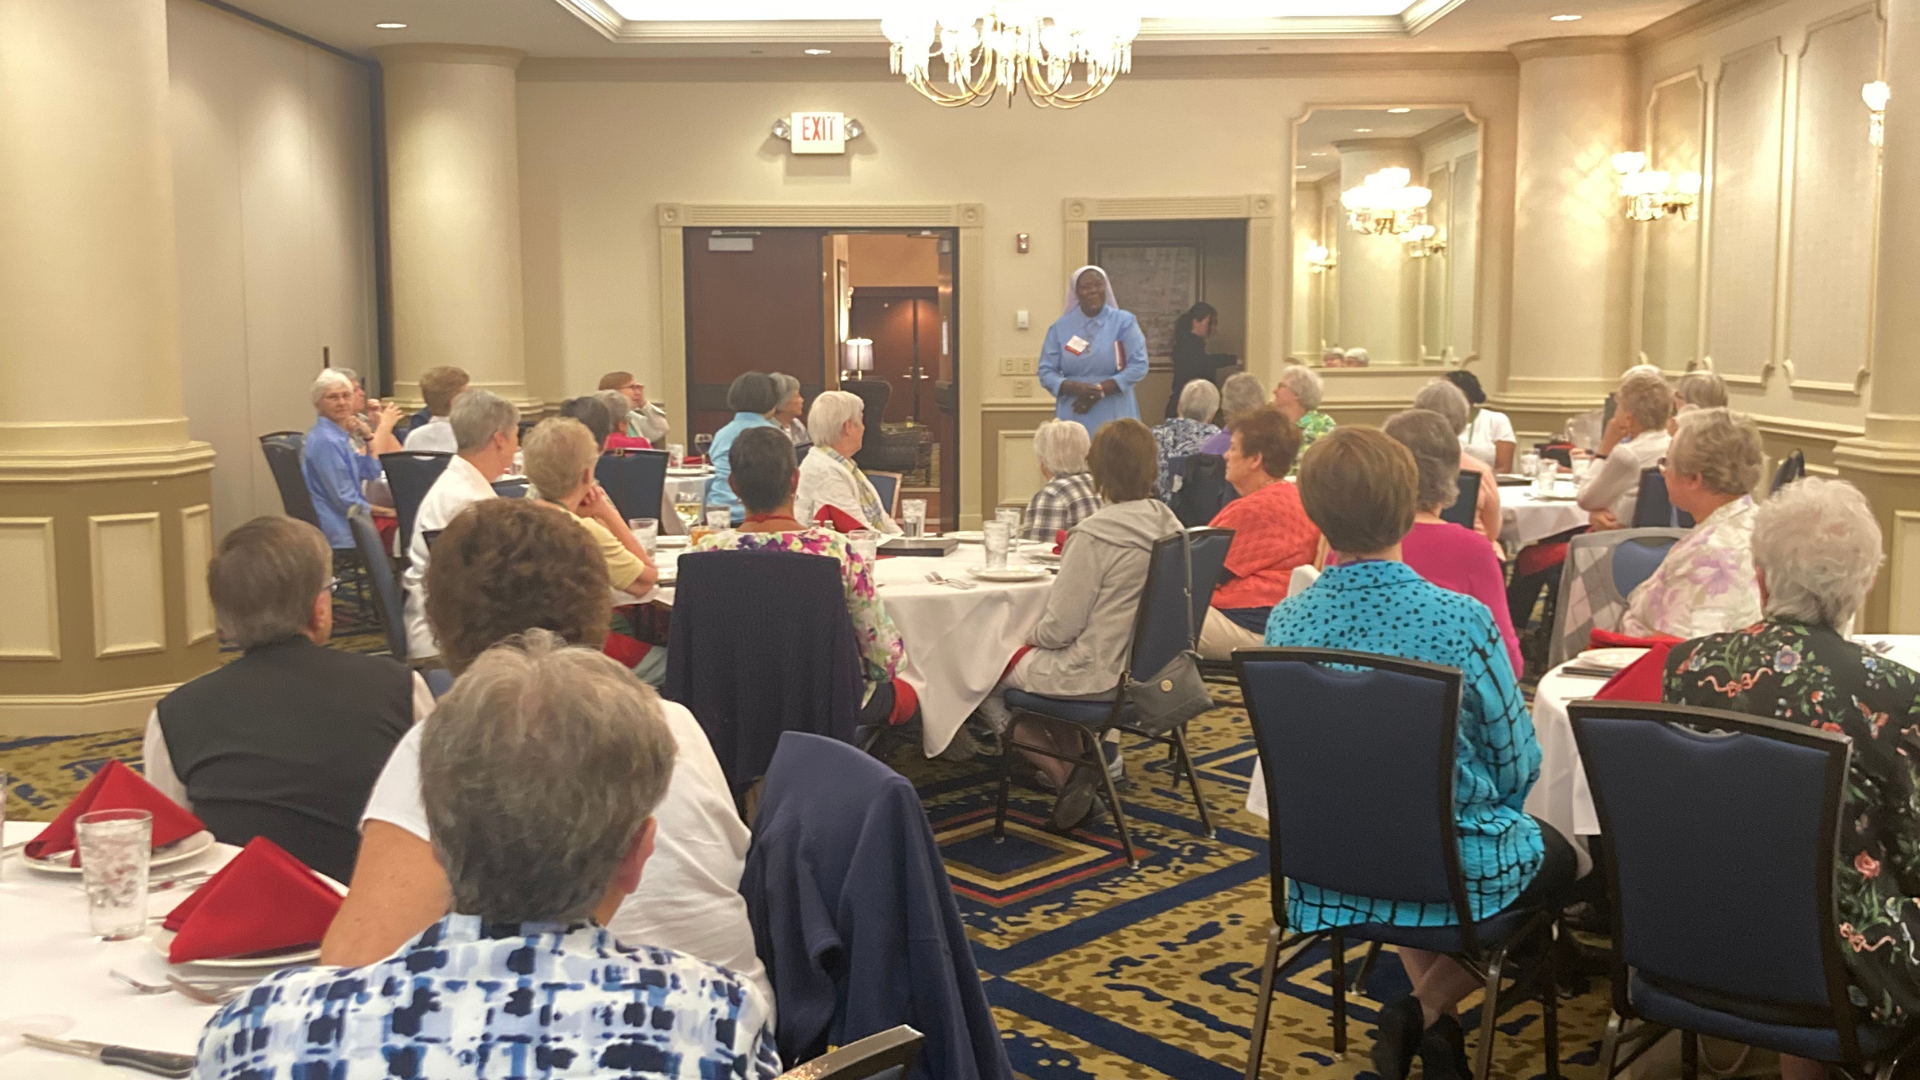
1079,648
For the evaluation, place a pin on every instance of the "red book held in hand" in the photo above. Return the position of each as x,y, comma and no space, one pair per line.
265,899
115,787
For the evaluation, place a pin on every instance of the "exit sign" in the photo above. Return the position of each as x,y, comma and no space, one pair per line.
819,133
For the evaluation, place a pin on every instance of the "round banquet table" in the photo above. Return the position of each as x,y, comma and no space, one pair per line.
1526,518
54,978
958,640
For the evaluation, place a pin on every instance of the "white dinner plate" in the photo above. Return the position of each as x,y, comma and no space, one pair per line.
668,575
162,939
966,536
1047,557
1616,659
164,855
1011,573
672,541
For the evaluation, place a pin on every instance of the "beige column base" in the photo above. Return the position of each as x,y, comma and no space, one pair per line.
1889,474
103,569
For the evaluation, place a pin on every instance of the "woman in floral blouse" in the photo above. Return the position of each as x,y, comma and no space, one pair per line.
764,476
1706,583
1183,434
1817,549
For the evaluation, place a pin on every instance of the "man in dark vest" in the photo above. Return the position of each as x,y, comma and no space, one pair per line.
286,741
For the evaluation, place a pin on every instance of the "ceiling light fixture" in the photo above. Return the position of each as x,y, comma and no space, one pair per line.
1400,111
1385,203
389,26
1564,18
990,45
1876,95
817,52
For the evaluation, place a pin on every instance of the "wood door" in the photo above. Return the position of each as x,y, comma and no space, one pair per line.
904,324
756,309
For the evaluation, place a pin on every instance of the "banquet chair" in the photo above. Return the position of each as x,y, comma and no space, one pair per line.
387,604
512,489
410,475
762,643
1328,723
636,481
283,450
887,486
1652,508
1160,632
1720,836
1593,589
1200,489
1467,505
885,1055
1792,467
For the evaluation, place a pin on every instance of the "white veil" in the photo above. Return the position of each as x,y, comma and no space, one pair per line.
1073,298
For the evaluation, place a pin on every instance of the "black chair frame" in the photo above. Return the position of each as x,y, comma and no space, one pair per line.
1175,740
391,620
1466,505
1536,978
1633,1033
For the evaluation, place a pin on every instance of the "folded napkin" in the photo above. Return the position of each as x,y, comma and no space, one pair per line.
1607,639
1059,540
264,899
1642,680
837,519
116,787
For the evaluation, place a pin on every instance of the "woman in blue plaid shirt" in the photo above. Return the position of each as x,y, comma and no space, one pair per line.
1068,496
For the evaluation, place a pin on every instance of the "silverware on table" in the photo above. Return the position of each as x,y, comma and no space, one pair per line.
157,1062
935,577
206,993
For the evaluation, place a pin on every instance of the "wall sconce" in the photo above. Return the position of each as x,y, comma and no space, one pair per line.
1875,94
1652,194
1425,240
1385,204
1319,259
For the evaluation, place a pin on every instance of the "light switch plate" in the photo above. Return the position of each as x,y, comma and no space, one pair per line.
1022,388
1020,319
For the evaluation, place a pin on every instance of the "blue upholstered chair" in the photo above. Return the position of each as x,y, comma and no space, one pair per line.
1330,724
410,475
283,451
513,489
387,605
635,481
1653,509
1159,634
1721,830
1467,505
887,486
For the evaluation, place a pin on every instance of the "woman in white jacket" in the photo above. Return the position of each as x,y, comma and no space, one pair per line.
1079,647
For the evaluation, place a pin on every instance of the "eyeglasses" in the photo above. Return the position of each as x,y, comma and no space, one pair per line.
333,584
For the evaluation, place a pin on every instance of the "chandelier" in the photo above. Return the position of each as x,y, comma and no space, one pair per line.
1035,46
1384,204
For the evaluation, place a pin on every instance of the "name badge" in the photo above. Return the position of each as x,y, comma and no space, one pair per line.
1077,345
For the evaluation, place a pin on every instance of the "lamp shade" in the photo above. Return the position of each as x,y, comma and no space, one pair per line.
856,354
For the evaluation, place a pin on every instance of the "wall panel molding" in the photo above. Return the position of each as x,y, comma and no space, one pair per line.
30,614
196,551
1743,216
129,594
1019,473
1904,575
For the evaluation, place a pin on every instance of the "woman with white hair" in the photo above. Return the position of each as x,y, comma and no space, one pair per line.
1444,397
1068,497
837,426
1239,395
1094,354
1816,549
1297,396
1706,583
1187,432
334,469
1635,441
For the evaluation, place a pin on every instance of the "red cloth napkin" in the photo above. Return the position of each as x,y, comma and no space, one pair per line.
116,787
628,651
836,519
1607,639
264,899
1059,540
1641,680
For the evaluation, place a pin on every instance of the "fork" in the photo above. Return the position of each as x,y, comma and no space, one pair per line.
935,577
208,994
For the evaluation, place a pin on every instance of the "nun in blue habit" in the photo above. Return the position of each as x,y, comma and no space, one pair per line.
1094,354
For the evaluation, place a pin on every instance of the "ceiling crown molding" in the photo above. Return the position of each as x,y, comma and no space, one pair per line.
1571,46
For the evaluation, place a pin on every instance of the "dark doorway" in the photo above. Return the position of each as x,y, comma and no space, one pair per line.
904,325
753,304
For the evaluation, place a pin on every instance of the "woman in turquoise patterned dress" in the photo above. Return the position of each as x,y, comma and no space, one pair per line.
1817,549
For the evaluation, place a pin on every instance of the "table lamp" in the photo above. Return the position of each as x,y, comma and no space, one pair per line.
856,356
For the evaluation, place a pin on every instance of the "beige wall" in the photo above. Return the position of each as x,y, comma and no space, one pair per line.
272,179
882,260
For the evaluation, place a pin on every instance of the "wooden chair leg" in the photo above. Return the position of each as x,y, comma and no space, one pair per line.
1257,1039
1193,781
1337,962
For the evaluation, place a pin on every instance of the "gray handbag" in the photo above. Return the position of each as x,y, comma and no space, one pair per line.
1176,693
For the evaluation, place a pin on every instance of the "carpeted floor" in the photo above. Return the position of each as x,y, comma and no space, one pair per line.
1095,970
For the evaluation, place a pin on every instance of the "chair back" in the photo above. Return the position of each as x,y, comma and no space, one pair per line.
1466,506
1721,833
1792,467
284,450
761,643
1358,753
874,395
635,481
512,489
1560,453
410,475
386,590
1634,561
887,486
1590,594
888,1055
1653,509
1160,628
1200,489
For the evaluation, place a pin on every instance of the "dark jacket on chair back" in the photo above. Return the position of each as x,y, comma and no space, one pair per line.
286,742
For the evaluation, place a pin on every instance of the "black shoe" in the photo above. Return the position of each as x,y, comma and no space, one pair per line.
1443,1051
1399,1037
1075,801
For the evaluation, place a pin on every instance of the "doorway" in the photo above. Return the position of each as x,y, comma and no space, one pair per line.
1159,269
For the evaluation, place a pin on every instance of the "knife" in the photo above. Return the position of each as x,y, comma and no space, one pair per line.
157,1062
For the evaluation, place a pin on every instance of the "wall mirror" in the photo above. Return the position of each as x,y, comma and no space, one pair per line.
1386,235
1670,245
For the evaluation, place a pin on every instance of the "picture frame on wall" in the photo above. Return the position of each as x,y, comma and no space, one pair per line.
1156,281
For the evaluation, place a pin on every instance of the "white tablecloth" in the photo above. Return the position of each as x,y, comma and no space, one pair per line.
53,974
1526,518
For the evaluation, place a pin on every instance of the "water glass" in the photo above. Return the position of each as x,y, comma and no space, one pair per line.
998,538
1529,464
701,444
676,455
719,520
1010,515
1544,480
913,516
647,531
116,847
866,543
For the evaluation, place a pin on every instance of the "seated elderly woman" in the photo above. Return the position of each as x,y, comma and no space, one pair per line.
502,567
752,397
1069,496
334,468
764,477
1706,583
786,415
1079,647
1187,431
828,476
619,410
1446,554
1634,442
542,775
1240,394
438,386
1360,488
1696,390
1817,549
1297,395
1489,435
1271,533
591,411
1450,402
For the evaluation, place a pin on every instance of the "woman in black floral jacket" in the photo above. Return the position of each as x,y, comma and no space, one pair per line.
1816,548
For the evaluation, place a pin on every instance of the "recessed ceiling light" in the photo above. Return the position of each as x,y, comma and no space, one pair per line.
389,26
817,52
1564,18
1318,153
1299,166
1397,112
1362,131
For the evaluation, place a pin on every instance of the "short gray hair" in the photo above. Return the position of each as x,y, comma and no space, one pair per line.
1062,446
1441,396
1721,448
1304,383
264,578
1818,547
617,408
1436,453
1199,400
783,384
479,415
827,417
1241,393
537,772
328,379
1702,390
1645,396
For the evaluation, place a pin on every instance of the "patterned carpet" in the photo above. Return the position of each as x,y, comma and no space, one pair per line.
1094,970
